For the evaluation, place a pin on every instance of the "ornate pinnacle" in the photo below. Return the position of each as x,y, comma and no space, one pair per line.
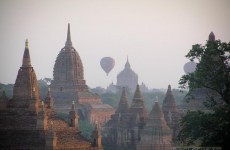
73,105
26,57
68,41
26,44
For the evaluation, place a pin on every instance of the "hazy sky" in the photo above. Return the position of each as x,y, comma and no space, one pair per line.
156,35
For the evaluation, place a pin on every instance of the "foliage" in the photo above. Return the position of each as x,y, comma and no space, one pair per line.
86,128
213,73
111,98
206,129
98,90
43,86
178,95
8,88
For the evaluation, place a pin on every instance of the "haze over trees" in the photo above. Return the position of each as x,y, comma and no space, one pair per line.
108,98
211,128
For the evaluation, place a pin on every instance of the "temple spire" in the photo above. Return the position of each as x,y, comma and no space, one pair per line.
27,44
211,36
26,62
68,41
123,104
127,65
137,94
169,88
73,106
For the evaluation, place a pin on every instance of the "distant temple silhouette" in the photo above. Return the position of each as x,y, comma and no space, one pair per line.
127,78
131,127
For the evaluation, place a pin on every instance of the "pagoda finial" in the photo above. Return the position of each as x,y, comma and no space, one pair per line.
42,106
124,97
211,36
73,105
26,44
169,87
68,41
48,93
127,65
137,94
26,57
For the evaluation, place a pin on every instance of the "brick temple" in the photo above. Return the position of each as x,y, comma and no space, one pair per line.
68,84
26,122
132,127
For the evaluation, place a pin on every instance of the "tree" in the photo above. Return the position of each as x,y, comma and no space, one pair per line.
210,128
86,128
43,86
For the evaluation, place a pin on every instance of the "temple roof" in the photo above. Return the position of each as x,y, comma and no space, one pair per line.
68,40
156,111
169,103
137,96
26,84
127,78
156,117
127,65
26,62
211,36
123,104
137,105
103,107
68,68
127,70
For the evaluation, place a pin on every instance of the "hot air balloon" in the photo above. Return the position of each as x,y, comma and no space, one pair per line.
189,67
107,64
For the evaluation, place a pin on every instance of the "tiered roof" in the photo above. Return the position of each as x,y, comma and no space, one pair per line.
137,106
123,104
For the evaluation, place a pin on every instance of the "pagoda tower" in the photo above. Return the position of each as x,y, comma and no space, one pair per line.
156,134
127,78
68,73
68,85
171,113
26,90
123,104
137,108
211,37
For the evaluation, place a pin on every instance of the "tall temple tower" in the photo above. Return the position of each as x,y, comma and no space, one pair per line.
68,73
171,113
156,134
26,90
125,127
137,109
69,85
123,104
127,78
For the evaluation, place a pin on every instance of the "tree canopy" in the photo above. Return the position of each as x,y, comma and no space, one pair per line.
210,128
